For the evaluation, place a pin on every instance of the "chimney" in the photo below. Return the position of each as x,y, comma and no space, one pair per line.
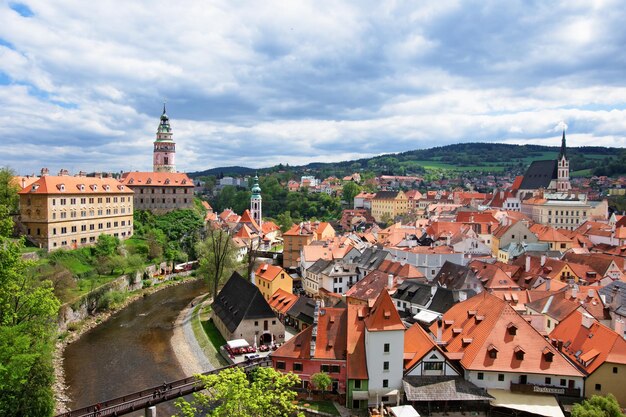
63,172
439,330
253,278
587,320
575,291
590,293
543,260
527,263
548,281
620,327
23,182
389,281
45,172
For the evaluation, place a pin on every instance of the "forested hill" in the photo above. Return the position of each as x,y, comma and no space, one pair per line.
485,157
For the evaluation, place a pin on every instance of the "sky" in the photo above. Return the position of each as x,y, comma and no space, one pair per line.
82,83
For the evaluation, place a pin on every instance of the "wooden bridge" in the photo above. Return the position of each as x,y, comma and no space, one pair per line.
155,395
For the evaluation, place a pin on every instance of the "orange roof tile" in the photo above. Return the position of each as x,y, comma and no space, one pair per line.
156,179
281,301
357,364
383,315
67,185
493,331
589,346
269,272
417,343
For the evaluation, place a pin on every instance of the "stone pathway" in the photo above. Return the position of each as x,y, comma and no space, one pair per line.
188,352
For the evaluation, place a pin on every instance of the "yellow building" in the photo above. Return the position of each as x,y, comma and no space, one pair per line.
271,278
69,212
389,204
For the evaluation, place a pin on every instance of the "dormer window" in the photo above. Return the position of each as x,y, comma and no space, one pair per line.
511,329
94,187
466,341
492,351
61,187
131,181
471,313
167,181
149,181
519,353
81,187
107,188
183,182
120,187
548,355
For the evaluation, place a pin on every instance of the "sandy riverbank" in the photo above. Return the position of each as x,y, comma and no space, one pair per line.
189,354
59,387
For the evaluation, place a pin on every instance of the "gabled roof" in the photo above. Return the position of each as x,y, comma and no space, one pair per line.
406,271
454,276
66,185
303,310
269,272
156,179
387,195
539,175
240,300
330,342
599,262
246,217
269,226
417,343
548,234
486,322
588,343
557,306
281,301
383,315
369,287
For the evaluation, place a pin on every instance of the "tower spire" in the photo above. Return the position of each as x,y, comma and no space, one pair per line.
562,153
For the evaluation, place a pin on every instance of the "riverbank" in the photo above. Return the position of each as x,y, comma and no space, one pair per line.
185,344
91,322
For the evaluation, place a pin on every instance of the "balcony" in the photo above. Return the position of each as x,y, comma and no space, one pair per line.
544,389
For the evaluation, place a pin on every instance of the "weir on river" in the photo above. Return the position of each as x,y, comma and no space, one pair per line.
130,351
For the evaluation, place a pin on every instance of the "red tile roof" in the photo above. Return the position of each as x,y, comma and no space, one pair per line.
156,179
281,301
269,272
357,364
66,185
417,343
496,316
594,342
383,315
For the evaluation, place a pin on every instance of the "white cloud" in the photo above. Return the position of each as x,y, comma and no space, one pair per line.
81,83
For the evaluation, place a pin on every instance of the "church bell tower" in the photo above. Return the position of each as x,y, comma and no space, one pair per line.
164,147
256,202
562,181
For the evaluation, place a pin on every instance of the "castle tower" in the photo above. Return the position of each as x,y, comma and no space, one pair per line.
256,202
164,147
562,181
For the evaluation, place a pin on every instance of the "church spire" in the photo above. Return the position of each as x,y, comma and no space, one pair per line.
562,153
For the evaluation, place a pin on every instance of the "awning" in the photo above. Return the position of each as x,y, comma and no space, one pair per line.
360,395
404,411
543,405
237,343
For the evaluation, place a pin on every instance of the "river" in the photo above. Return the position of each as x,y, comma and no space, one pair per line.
130,351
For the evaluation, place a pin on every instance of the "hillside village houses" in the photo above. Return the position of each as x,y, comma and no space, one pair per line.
456,299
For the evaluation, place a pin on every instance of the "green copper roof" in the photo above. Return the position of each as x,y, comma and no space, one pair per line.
256,190
164,124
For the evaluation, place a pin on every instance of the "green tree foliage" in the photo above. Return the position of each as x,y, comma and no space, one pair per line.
598,406
156,242
28,309
181,229
8,190
217,258
321,381
106,246
6,223
350,190
231,393
285,221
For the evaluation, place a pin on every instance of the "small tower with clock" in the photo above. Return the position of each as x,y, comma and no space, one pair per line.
164,147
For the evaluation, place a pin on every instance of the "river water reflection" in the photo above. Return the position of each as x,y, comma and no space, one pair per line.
129,352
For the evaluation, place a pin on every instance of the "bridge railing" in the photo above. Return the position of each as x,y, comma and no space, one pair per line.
155,395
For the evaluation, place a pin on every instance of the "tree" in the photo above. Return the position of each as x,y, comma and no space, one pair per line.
321,381
350,190
231,393
28,309
217,257
156,240
598,406
8,190
251,257
285,221
106,245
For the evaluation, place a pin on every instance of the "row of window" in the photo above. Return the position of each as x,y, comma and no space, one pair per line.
83,240
155,200
560,213
163,191
83,228
90,213
84,200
